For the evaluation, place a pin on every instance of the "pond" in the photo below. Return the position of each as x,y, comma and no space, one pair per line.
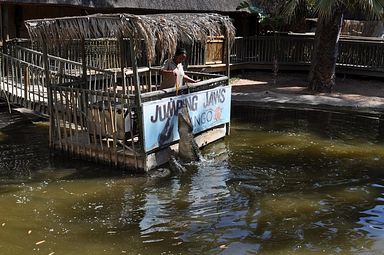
283,182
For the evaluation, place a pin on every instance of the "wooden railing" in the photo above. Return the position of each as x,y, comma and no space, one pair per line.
266,49
295,51
95,124
105,53
290,51
102,53
205,81
23,83
62,70
23,78
362,54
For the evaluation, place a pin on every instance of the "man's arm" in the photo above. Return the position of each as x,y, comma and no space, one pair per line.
189,79
167,72
166,69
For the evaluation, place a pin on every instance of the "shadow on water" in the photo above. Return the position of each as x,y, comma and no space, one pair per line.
283,182
20,146
26,157
310,175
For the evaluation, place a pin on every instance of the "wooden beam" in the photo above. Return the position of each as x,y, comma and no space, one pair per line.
227,48
50,94
83,60
136,82
122,63
26,84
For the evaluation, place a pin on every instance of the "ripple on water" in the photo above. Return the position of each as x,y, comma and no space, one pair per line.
372,220
261,190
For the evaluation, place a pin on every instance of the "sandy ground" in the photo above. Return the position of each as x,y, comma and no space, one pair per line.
291,88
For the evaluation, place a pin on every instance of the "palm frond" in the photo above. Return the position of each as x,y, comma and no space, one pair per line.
251,8
294,9
290,7
243,5
325,8
372,8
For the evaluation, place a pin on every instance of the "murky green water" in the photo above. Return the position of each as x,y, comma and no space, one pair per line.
283,183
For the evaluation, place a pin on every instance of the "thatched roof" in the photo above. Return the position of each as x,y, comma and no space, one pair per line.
160,31
162,5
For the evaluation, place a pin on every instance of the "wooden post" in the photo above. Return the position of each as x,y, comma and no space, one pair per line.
227,48
84,105
150,76
50,94
227,54
204,54
136,81
122,63
83,61
26,84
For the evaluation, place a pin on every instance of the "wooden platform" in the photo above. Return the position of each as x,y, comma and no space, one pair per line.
119,155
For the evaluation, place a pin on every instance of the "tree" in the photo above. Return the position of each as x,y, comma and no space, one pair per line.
330,14
269,22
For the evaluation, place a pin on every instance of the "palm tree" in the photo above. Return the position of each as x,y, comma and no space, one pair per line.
330,15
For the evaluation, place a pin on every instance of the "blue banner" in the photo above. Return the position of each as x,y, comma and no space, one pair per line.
207,109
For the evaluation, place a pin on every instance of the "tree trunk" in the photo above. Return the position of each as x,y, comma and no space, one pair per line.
325,52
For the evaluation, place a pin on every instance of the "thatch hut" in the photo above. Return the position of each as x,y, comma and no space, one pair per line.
14,13
120,115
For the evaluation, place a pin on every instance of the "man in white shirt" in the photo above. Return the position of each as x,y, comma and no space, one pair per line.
173,72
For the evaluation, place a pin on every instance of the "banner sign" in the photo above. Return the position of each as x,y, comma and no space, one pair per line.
207,109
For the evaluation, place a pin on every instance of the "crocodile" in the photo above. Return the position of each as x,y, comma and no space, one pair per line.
188,149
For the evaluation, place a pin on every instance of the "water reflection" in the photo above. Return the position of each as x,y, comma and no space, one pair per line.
270,188
372,220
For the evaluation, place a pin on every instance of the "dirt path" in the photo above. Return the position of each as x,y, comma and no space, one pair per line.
290,88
